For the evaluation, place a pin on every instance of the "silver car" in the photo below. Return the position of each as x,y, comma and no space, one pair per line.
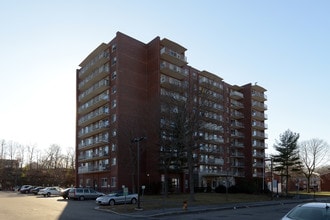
83,193
50,191
117,198
309,211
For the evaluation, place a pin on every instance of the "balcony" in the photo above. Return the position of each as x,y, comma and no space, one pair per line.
92,169
94,103
258,96
236,115
93,117
236,95
239,174
93,144
258,165
259,106
259,116
235,104
97,88
259,125
93,131
237,144
259,145
98,57
238,164
237,154
237,124
237,134
213,172
210,81
94,77
172,45
98,156
259,135
173,57
173,70
258,155
173,84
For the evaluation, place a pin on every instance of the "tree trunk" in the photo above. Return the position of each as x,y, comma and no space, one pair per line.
191,177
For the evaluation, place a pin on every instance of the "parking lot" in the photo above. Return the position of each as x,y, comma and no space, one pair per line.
17,206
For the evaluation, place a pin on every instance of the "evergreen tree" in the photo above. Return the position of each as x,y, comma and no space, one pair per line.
287,160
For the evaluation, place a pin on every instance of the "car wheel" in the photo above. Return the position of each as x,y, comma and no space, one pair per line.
48,194
133,201
81,198
44,195
112,202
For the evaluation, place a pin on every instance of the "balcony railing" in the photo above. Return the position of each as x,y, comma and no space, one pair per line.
236,95
259,105
259,115
237,114
173,57
259,96
173,70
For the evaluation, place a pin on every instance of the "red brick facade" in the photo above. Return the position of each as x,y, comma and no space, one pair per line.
121,88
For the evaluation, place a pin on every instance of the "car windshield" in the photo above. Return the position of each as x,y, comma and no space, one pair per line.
306,213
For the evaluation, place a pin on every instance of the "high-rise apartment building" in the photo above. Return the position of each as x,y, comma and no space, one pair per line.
131,96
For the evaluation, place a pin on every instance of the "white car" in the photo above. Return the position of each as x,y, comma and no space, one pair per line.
50,191
309,211
117,198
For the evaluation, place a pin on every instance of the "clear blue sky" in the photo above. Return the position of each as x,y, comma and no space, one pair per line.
283,45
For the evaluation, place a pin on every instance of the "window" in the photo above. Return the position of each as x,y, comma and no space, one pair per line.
113,47
113,147
114,75
113,118
113,161
113,181
104,182
114,103
114,61
88,182
114,133
113,90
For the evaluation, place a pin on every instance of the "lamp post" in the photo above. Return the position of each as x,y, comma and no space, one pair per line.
148,175
271,174
263,176
137,141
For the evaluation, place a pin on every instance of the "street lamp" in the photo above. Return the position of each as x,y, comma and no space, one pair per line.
148,175
138,140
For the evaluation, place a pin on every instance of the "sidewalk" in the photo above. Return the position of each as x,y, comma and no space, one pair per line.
207,208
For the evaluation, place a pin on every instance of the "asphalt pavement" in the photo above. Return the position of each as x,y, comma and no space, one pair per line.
201,208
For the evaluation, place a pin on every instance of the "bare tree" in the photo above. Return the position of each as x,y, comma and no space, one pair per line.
69,158
52,157
312,154
30,154
2,151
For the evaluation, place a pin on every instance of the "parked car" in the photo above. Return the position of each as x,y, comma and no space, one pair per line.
35,190
307,211
117,198
50,191
25,189
83,193
65,193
